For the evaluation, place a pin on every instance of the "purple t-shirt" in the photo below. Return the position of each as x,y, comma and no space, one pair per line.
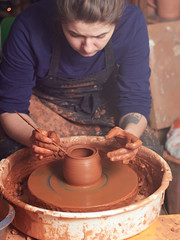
28,50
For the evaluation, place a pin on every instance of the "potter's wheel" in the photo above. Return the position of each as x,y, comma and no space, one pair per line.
119,223
117,187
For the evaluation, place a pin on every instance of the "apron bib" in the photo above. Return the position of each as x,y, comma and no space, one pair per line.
88,101
74,107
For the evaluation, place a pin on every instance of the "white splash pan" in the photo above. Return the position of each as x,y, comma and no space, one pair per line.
114,224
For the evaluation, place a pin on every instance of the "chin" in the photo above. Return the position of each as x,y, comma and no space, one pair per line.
87,54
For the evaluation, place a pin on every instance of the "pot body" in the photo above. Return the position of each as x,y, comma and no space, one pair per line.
82,166
168,9
116,224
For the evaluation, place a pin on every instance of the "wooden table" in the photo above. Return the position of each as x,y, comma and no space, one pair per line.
167,227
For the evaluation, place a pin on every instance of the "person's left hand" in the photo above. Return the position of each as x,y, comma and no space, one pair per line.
130,144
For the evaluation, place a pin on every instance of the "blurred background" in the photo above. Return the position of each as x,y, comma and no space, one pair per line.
9,8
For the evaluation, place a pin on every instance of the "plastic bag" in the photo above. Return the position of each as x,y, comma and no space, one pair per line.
172,144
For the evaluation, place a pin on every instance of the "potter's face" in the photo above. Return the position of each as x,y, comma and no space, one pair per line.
88,38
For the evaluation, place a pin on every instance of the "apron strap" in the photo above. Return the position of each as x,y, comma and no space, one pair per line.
109,54
54,64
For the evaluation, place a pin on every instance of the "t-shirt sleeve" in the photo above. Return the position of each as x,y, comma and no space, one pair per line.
17,76
134,72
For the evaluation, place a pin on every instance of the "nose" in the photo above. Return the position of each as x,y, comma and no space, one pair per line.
87,45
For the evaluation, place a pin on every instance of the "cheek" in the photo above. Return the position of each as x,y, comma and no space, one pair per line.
100,44
74,43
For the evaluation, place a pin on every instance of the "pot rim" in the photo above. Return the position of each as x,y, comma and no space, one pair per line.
77,146
167,177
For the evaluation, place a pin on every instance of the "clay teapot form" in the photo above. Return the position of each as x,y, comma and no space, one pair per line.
82,166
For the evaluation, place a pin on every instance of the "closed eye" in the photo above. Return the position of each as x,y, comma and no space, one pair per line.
101,36
75,35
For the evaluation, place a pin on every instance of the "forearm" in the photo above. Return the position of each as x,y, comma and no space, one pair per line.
134,123
16,128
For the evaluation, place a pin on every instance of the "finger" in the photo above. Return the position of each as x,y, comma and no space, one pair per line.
40,131
126,161
39,140
42,136
41,151
121,140
117,152
53,136
120,154
37,156
130,137
126,158
114,132
51,147
134,145
41,157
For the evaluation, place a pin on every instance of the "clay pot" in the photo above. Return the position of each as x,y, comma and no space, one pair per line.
168,9
82,166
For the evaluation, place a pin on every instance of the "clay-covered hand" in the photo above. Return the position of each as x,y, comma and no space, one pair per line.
42,143
129,142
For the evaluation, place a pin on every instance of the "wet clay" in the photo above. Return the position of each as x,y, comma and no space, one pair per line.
82,166
149,177
153,178
117,187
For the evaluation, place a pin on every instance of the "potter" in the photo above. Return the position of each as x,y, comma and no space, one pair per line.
76,68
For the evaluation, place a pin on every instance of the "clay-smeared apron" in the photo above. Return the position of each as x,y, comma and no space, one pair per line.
85,106
73,107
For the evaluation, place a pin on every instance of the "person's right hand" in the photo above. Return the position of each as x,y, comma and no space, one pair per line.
42,143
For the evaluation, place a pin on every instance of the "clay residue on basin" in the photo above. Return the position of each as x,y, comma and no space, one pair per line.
149,173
